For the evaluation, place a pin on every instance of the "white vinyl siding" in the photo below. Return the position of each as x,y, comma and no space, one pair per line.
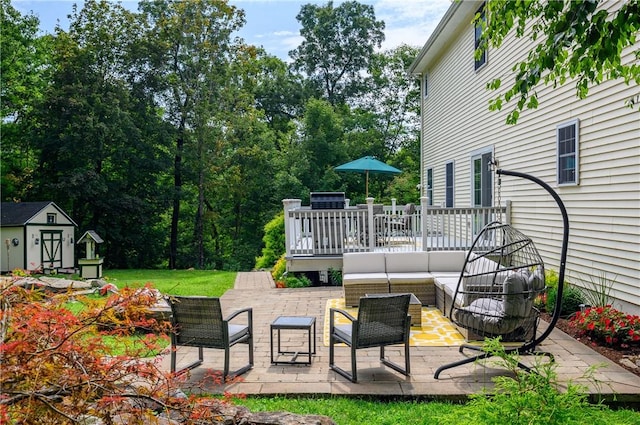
604,209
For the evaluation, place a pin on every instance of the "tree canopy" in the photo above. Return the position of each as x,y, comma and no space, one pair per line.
581,40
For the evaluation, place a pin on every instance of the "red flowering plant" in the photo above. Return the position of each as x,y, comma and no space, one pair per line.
608,326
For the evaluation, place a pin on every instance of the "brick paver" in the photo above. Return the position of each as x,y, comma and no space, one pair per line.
256,289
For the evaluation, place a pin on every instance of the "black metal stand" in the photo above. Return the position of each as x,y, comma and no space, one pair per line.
528,348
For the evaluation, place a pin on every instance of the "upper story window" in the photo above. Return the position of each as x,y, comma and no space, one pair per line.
479,61
425,86
567,136
51,218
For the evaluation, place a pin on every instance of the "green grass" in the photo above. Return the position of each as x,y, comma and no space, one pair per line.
352,411
175,282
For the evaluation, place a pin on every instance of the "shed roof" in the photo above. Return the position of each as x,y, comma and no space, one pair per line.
90,234
20,213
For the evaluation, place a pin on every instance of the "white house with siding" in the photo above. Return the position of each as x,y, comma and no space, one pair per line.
587,150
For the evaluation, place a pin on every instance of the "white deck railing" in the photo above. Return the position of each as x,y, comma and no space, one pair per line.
311,232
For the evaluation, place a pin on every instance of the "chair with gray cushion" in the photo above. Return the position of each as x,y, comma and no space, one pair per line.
502,275
382,320
198,322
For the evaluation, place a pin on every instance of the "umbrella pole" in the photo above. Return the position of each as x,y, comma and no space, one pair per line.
366,185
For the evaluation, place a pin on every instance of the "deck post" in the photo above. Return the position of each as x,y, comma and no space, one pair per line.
370,224
289,204
424,205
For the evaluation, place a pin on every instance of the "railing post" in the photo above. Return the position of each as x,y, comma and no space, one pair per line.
424,205
507,212
370,224
393,206
289,204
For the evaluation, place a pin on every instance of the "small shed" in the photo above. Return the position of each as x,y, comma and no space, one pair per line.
36,235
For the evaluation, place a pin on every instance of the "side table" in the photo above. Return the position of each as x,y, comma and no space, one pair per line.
305,323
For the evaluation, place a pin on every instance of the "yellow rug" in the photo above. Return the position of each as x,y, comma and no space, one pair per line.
436,330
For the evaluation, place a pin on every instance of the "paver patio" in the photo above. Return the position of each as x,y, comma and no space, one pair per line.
256,289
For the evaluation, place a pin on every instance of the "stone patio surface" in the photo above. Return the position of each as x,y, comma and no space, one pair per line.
257,290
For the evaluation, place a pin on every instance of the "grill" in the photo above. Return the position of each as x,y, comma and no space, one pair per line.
327,200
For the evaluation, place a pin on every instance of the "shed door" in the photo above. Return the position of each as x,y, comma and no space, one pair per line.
51,248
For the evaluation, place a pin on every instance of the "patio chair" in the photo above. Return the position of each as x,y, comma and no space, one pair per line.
197,322
402,224
378,224
382,320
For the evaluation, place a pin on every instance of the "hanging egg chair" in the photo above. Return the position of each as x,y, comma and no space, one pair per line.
502,276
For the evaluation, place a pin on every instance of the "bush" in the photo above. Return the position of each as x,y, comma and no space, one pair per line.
274,244
57,367
608,326
279,269
571,300
300,281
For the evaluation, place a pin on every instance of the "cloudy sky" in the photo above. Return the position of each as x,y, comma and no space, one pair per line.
273,25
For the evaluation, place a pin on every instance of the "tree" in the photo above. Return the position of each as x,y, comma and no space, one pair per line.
337,47
581,40
190,49
24,64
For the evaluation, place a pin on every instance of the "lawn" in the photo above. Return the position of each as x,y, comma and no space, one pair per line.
175,282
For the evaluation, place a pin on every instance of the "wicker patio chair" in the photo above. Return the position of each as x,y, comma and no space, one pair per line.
382,320
402,225
198,322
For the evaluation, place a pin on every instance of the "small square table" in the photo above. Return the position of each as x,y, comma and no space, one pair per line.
304,323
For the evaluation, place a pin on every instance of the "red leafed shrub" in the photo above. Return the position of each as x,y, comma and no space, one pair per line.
608,326
56,367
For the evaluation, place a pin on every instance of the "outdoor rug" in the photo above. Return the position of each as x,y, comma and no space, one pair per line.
436,330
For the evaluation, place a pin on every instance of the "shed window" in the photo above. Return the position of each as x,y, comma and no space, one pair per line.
567,139
51,218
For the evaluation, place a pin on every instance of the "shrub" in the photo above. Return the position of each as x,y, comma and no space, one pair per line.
608,326
596,291
279,269
571,300
300,281
274,244
525,398
335,277
57,368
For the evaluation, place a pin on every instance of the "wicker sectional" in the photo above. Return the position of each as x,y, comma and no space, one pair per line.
398,272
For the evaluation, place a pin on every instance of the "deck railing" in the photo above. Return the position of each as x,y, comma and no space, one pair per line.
310,232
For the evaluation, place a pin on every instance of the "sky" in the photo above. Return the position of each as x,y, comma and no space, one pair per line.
272,24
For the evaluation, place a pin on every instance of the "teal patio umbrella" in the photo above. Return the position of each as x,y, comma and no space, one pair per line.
368,164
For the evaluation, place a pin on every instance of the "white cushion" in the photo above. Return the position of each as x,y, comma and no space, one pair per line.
411,277
403,262
446,261
355,278
363,262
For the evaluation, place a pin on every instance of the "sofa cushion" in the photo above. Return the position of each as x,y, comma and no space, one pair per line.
363,262
356,278
404,262
410,277
446,261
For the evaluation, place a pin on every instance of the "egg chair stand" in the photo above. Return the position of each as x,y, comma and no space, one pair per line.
502,275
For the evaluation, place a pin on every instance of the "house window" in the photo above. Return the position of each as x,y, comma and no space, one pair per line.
478,26
448,184
568,139
51,218
482,179
425,86
430,186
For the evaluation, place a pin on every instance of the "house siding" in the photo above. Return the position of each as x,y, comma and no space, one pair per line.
604,207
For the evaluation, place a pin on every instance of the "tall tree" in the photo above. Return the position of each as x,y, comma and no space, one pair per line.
583,40
190,45
101,147
337,47
24,63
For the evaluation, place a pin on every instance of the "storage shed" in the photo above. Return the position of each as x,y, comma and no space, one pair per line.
36,235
